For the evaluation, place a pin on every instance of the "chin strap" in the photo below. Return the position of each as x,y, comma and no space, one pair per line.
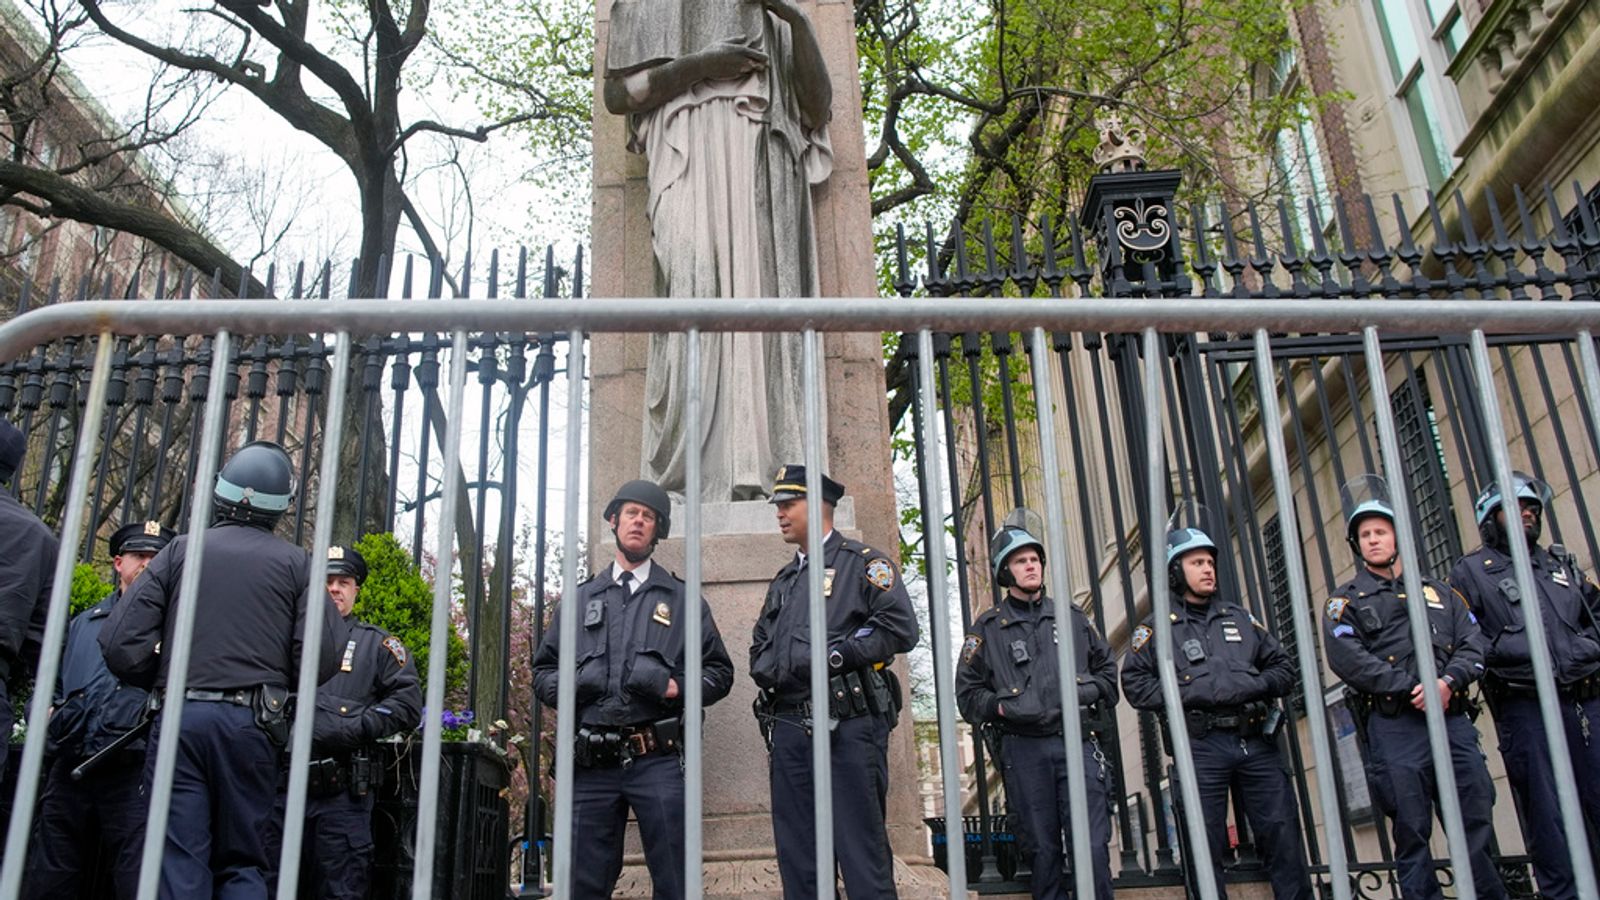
629,555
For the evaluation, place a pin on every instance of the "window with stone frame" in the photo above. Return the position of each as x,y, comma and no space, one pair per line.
1297,162
1277,581
1418,41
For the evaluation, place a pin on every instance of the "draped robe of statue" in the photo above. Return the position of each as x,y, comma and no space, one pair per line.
731,168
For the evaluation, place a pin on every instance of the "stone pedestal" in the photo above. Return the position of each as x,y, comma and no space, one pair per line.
737,564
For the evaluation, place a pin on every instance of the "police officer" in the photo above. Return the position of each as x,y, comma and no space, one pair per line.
249,621
869,621
1567,601
1230,669
1008,682
102,811
376,693
629,670
27,567
1368,635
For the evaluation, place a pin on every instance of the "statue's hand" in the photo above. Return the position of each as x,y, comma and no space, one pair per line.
729,60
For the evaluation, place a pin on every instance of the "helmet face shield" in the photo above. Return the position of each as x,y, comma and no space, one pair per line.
1526,486
1363,496
1190,527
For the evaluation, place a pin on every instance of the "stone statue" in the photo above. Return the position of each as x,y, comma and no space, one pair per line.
729,101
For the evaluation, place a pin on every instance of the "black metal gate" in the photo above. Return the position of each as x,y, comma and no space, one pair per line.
1131,240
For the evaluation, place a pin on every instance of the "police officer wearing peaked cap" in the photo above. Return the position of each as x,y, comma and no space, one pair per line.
102,811
1230,670
376,693
869,619
27,567
1367,631
1568,602
1008,682
249,622
629,672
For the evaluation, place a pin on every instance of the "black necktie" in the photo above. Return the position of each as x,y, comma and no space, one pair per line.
626,580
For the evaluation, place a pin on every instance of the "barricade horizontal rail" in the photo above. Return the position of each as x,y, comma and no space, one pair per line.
1146,318
1171,315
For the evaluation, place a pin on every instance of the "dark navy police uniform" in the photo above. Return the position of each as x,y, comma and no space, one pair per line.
630,644
1009,659
1230,670
1569,602
249,620
376,693
101,816
27,567
1368,635
870,619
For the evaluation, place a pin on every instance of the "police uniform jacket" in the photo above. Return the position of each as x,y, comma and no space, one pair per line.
375,693
1223,655
248,622
27,567
1367,631
1010,655
92,706
1569,603
629,646
870,618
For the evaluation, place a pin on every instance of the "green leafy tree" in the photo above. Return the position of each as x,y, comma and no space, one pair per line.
88,588
397,599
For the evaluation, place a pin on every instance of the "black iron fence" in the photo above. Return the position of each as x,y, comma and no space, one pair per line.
1131,240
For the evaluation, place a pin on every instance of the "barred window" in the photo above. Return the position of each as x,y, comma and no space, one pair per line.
1422,456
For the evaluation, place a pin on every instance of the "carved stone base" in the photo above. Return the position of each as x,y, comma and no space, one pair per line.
757,879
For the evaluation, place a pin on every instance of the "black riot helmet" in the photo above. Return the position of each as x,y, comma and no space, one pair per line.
1020,529
644,493
256,485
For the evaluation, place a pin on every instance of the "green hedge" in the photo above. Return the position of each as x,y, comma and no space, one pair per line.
397,599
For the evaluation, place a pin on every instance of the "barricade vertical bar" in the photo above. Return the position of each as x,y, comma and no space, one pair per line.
939,593
205,476
1591,379
432,734
1199,850
1416,610
305,694
1300,616
693,639
817,622
567,635
1533,614
55,627
1066,651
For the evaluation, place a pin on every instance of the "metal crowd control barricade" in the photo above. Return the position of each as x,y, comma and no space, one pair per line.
1149,318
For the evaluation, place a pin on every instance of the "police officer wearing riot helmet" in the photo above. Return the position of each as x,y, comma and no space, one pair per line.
375,693
1567,601
249,620
1368,635
1008,682
102,812
1230,670
629,669
870,619
27,569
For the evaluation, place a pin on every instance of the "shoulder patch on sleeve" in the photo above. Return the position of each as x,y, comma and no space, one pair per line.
969,648
396,649
1141,636
1336,608
881,574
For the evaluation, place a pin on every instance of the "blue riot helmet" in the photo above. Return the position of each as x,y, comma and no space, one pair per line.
1187,530
1020,529
1526,487
1362,497
256,485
